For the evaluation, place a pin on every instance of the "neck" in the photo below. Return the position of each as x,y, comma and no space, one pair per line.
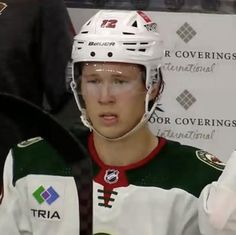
126,151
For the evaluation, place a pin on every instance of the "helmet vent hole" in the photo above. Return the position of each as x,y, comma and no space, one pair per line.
92,53
109,54
135,24
88,23
142,49
84,32
127,33
130,49
129,43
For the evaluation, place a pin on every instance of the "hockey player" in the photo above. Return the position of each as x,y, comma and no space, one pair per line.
143,184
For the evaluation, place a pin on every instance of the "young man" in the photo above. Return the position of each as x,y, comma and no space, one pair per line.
143,184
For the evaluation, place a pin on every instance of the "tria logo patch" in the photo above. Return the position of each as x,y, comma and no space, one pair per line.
3,6
43,214
49,195
111,176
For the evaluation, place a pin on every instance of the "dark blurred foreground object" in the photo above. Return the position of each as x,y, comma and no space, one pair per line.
32,121
140,4
210,5
99,3
35,46
174,4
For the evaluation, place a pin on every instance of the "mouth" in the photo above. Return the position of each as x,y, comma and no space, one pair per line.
108,118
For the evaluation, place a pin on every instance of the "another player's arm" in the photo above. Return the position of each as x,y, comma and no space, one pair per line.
217,204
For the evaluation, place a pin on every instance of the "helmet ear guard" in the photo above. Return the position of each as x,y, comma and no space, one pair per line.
73,85
83,116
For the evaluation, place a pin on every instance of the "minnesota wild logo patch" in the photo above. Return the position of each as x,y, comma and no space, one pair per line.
3,6
210,159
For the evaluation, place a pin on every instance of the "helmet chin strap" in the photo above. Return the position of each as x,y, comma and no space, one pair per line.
141,123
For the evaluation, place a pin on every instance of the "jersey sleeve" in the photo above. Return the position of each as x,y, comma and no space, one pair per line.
56,34
12,214
217,203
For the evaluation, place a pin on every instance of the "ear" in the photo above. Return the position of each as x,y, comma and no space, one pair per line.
155,91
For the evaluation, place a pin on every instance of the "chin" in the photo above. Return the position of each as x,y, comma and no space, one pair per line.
110,133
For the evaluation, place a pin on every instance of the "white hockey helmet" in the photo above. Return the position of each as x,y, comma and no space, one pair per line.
119,36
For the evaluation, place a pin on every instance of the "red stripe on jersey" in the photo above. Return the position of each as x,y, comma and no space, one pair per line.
150,156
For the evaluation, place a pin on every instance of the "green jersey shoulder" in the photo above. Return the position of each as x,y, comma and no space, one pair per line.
37,156
178,166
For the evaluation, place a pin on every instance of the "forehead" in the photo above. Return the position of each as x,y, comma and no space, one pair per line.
115,67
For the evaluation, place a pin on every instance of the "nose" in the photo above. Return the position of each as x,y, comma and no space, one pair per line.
106,95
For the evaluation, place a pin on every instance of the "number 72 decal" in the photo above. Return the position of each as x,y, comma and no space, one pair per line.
108,24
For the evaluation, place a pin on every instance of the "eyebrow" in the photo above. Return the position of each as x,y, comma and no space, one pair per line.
94,75
119,76
90,75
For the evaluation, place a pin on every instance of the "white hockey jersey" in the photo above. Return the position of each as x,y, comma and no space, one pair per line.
156,196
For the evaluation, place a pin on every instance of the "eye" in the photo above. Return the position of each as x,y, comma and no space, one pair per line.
93,81
120,81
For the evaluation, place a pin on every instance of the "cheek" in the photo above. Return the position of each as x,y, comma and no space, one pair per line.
135,97
133,102
89,104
